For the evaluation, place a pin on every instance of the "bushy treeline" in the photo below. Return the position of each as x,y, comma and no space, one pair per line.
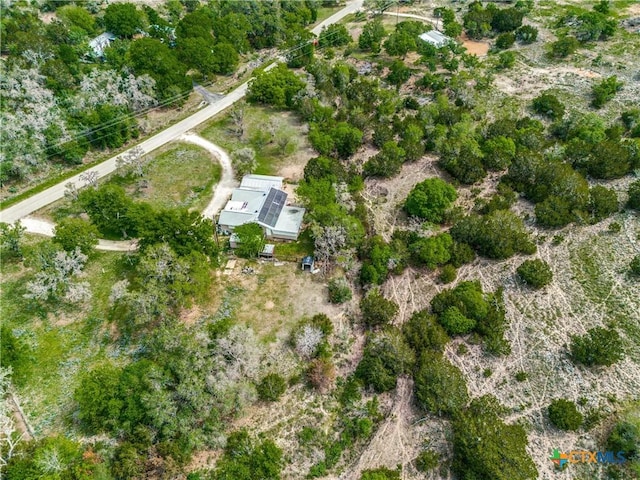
61,98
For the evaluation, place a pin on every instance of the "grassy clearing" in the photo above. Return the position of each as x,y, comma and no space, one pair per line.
262,129
182,175
63,341
274,298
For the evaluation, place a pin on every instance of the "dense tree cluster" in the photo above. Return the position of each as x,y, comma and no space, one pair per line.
61,98
480,439
480,21
466,308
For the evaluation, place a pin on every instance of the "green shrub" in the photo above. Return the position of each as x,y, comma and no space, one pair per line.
377,310
535,273
564,47
527,34
505,40
521,376
271,387
600,346
548,105
603,202
381,473
634,195
448,274
634,266
339,290
625,437
386,355
564,414
605,91
427,460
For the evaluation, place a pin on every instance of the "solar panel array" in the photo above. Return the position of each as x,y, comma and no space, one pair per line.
272,207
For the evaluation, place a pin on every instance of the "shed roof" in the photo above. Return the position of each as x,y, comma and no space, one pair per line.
434,37
261,182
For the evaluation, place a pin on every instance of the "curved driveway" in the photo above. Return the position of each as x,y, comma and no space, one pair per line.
56,192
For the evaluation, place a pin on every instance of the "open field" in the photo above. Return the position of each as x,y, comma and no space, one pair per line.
278,138
180,174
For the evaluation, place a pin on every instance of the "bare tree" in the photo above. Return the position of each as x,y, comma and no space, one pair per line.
285,140
131,161
238,355
118,291
237,121
307,341
90,178
55,278
329,241
71,191
9,438
244,161
273,125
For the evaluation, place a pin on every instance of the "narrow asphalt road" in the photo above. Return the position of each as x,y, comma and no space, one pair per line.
56,192
221,193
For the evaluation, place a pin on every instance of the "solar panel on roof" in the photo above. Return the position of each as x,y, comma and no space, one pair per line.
272,207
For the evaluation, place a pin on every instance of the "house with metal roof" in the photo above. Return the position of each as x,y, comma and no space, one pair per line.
99,43
260,199
435,38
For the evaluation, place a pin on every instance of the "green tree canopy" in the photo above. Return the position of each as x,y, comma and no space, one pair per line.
151,56
75,232
440,387
123,19
377,310
430,199
480,440
277,87
386,355
499,234
371,36
250,240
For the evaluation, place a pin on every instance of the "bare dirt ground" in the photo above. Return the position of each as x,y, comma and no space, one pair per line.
476,48
395,441
385,196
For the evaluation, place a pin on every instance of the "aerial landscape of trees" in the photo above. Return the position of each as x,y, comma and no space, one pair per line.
472,219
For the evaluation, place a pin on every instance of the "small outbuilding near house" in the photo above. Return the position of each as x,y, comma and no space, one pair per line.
307,263
435,38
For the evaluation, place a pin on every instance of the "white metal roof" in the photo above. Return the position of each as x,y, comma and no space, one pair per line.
261,182
434,37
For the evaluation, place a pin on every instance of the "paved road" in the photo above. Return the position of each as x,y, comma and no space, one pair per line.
50,195
336,17
391,13
221,193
